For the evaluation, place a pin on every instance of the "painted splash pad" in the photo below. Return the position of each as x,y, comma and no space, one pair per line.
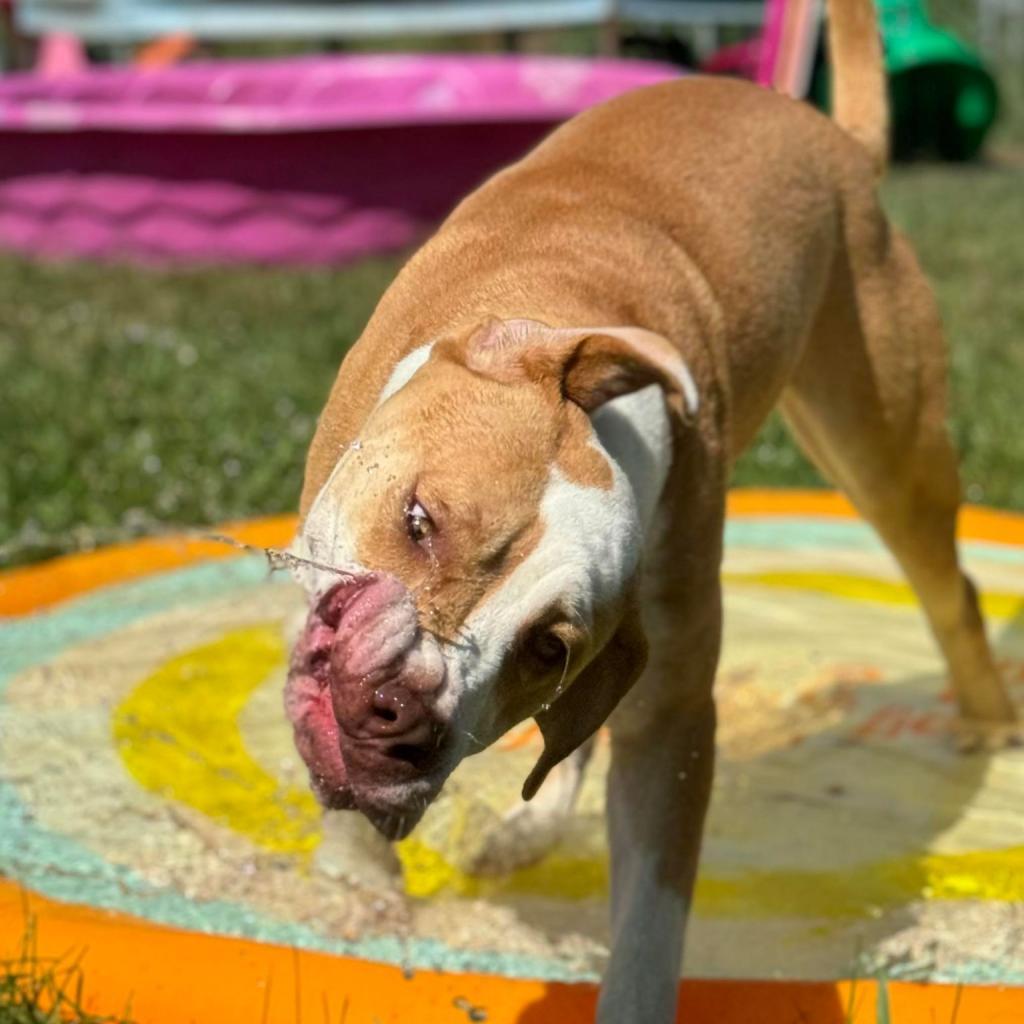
153,812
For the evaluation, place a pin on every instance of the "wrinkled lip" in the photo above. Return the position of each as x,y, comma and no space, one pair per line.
342,768
318,739
307,701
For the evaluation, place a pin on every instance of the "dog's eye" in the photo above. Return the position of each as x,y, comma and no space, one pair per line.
418,523
547,648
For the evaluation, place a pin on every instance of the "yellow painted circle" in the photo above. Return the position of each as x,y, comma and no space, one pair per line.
178,732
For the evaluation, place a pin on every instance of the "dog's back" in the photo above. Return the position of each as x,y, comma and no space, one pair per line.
688,187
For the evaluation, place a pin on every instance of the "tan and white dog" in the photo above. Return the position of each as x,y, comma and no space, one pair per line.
515,496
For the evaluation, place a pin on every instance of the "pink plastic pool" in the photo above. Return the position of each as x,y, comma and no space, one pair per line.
311,160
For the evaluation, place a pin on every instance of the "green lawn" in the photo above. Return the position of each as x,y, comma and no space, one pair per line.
134,399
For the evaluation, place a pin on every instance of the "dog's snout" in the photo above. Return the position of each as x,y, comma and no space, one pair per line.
333,604
380,673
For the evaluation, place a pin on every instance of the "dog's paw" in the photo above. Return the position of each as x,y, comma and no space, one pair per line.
530,830
976,735
522,838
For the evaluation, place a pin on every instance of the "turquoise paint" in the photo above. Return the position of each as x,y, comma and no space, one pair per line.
793,533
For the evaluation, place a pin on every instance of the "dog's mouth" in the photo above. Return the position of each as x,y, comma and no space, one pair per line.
307,701
396,811
361,697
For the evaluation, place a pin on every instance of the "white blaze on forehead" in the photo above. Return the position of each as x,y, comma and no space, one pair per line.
405,369
325,539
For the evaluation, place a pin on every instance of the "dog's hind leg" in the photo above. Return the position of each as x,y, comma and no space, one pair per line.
868,405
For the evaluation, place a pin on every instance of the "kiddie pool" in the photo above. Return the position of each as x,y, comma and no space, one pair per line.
302,161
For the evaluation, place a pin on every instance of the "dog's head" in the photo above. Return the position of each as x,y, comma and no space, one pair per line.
490,548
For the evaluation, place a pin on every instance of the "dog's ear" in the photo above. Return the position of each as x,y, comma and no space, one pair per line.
592,365
585,706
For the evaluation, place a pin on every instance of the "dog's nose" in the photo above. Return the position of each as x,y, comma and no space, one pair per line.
401,726
394,711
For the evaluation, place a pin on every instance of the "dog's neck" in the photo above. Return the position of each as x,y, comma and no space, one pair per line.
635,431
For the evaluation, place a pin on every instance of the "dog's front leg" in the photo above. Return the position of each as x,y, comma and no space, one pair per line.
663,747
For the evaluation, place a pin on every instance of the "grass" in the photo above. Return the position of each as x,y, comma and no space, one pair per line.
883,1014
136,399
39,990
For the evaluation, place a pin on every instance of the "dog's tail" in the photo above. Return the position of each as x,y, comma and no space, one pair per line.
860,102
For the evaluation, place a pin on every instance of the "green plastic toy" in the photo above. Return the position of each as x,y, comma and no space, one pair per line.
943,100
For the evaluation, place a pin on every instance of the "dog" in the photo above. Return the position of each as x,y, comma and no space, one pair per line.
514,499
